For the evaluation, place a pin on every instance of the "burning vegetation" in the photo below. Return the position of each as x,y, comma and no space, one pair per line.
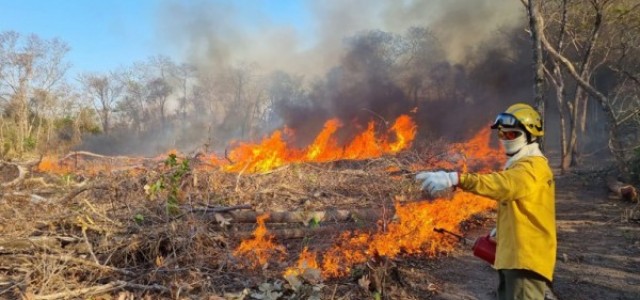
267,218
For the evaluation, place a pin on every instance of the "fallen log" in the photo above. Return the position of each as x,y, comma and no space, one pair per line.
305,217
21,259
218,209
12,245
298,233
11,174
622,190
101,289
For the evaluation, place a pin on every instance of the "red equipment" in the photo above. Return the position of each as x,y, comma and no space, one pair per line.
484,247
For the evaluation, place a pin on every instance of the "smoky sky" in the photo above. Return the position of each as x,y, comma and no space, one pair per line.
215,33
343,76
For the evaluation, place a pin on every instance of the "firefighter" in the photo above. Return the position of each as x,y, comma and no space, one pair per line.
525,192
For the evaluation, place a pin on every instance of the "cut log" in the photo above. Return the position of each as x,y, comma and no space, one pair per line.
298,233
622,190
305,217
217,209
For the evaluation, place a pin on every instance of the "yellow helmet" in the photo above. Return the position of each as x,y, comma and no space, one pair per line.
523,116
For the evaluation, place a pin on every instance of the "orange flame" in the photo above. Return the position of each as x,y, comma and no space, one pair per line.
261,248
412,233
306,261
51,165
324,147
273,152
477,150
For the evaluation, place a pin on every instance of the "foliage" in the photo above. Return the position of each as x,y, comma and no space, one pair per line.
30,143
170,183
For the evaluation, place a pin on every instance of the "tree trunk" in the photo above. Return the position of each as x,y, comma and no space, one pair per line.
22,114
2,140
573,129
105,121
538,82
163,118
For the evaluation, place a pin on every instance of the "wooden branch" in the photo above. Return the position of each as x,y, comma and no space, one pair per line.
75,154
81,189
101,289
12,245
89,291
602,99
89,246
628,116
84,153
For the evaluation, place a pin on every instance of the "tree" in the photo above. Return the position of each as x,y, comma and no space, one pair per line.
161,70
421,54
584,62
133,106
104,91
158,94
183,73
28,66
283,90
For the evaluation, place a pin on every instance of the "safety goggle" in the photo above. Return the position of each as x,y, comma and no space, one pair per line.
505,120
509,135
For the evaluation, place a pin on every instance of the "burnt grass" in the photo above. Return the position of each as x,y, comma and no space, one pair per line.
119,235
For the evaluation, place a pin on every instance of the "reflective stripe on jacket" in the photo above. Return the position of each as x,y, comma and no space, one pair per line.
526,213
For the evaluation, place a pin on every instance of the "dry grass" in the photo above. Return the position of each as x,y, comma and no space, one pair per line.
107,235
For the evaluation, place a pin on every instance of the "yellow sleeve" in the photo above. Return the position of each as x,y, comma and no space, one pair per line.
508,185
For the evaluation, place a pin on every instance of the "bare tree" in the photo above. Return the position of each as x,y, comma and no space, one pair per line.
103,91
133,106
583,73
421,54
161,71
183,74
28,64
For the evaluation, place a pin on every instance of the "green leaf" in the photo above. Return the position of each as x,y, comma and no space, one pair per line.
377,296
138,218
314,223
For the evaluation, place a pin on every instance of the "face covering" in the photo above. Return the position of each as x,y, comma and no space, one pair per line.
513,146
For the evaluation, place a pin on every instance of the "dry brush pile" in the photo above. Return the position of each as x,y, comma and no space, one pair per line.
169,228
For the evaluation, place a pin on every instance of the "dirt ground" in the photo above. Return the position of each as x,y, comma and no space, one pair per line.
598,249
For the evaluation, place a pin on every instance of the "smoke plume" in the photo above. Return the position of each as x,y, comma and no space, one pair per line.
338,49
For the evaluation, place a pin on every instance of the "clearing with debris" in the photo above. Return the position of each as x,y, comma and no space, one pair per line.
91,226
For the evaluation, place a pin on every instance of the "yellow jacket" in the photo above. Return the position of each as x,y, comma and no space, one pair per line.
525,192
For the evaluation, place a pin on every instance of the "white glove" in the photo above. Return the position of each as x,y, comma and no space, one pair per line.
435,182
